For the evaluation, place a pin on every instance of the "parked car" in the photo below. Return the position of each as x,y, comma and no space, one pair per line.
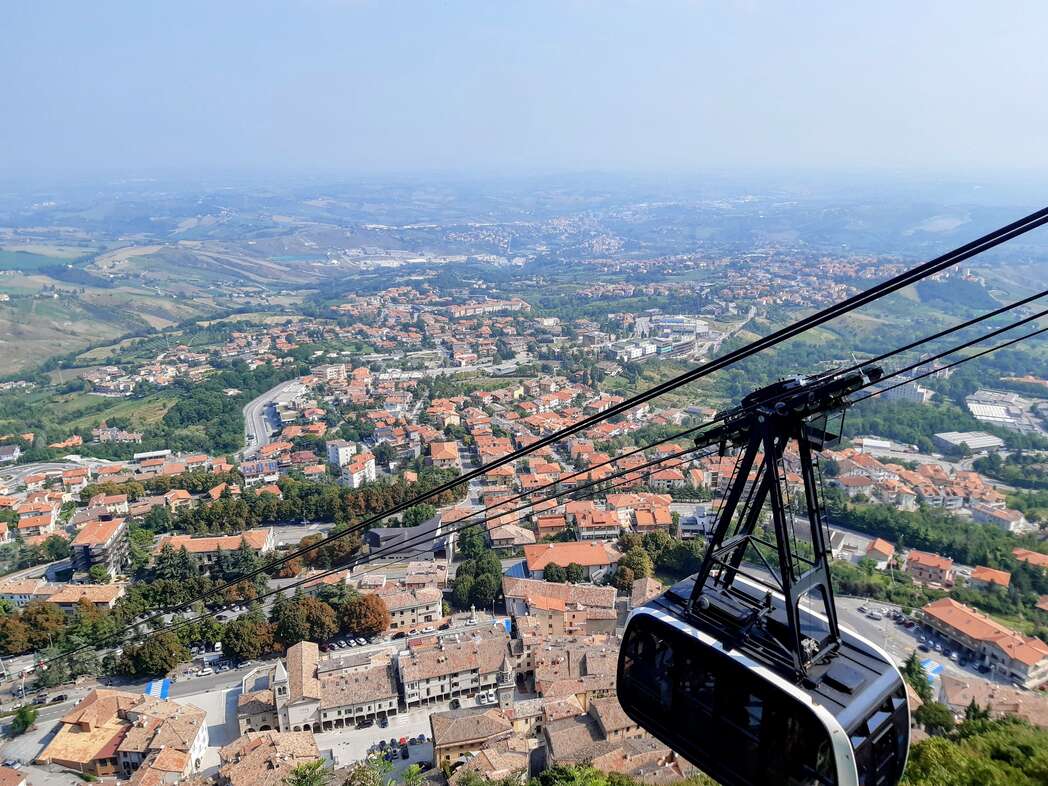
429,629
41,698
367,724
863,609
59,698
405,753
923,647
490,695
873,615
455,704
361,641
383,722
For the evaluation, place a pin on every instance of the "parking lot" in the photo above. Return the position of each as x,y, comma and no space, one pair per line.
350,745
899,642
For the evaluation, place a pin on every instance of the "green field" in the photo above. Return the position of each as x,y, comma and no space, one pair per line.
23,260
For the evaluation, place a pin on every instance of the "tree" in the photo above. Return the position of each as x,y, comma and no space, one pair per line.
77,663
175,565
56,547
574,573
637,560
471,543
485,590
320,618
657,543
157,655
365,615
973,712
623,579
247,638
308,773
462,591
554,572
45,621
99,574
289,620
936,718
917,677
14,635
372,771
417,514
23,720
412,776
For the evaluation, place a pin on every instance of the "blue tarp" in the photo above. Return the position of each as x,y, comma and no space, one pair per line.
516,571
158,688
931,668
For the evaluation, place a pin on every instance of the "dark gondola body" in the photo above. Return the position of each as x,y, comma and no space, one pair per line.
743,721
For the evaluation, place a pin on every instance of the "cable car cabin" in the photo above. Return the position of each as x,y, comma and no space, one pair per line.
846,723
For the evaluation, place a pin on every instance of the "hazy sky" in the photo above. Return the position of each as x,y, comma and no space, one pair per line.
497,86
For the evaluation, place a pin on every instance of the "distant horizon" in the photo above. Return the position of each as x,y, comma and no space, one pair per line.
468,88
1008,185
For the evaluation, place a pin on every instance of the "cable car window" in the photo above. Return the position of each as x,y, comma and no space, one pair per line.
701,703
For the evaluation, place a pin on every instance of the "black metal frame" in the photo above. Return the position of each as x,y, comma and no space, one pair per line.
766,432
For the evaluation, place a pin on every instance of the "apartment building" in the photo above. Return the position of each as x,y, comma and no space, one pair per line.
455,666
597,525
596,558
411,607
1003,518
20,592
462,734
317,694
112,732
207,549
561,609
339,452
444,455
929,568
103,543
1021,659
360,469
69,597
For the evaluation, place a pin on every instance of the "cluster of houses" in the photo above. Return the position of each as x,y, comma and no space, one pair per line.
549,683
962,492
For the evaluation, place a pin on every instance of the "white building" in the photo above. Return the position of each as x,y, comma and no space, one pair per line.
340,452
359,470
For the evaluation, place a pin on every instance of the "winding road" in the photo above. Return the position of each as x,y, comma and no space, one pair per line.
257,422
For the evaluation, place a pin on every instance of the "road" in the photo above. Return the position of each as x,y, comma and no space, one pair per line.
257,423
16,474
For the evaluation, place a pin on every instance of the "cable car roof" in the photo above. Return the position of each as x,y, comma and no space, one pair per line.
849,685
